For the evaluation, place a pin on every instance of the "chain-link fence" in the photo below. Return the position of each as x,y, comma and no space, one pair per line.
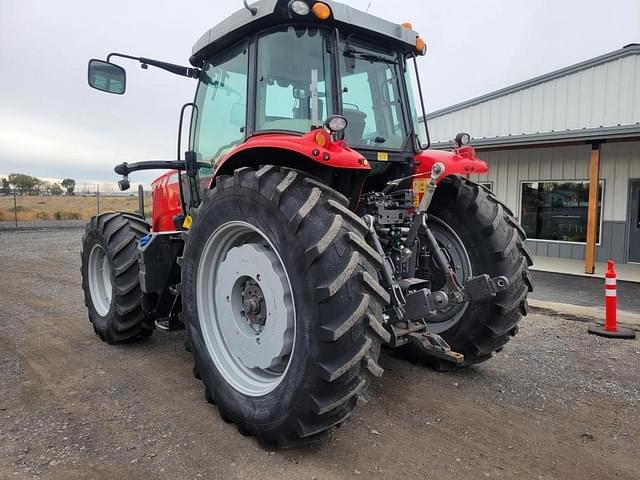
37,210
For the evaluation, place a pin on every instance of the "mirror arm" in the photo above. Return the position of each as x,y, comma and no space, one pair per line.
127,168
169,67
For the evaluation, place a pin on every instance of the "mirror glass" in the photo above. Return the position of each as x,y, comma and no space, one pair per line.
107,77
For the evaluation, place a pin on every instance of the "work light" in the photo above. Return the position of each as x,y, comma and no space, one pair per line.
462,138
299,7
335,123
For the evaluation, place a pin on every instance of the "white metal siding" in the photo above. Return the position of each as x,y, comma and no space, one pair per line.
619,162
604,95
508,168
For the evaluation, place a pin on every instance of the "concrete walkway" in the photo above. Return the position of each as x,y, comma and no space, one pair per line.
628,272
582,298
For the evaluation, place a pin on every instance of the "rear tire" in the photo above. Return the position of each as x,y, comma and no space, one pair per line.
335,301
495,244
110,277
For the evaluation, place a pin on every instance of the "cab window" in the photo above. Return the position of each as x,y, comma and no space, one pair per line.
371,98
222,104
293,64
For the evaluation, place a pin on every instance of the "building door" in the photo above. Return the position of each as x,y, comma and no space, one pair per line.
634,222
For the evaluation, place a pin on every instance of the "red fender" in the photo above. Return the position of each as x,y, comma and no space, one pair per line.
315,145
165,196
460,161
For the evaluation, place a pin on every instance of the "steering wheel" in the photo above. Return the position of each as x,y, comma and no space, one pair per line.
355,107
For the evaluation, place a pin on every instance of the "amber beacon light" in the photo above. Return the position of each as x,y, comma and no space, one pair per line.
321,10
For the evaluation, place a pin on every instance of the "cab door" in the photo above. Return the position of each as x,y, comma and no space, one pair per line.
220,119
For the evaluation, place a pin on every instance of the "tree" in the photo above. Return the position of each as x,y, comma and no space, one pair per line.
41,187
69,184
55,189
23,183
6,186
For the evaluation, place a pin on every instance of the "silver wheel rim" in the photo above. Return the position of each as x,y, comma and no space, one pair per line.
458,257
100,280
246,308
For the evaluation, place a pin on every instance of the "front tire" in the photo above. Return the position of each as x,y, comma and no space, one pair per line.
110,277
281,304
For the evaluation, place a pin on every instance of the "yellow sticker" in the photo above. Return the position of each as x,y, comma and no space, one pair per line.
383,156
187,222
420,185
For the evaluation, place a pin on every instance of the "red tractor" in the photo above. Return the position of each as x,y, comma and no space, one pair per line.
307,225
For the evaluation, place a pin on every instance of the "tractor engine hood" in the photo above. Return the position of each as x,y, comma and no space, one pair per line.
271,13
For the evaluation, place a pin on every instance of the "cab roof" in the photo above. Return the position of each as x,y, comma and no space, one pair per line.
270,13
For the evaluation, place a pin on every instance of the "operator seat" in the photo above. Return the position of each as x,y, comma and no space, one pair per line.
355,127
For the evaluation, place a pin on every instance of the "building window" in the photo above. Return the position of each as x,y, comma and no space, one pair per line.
558,210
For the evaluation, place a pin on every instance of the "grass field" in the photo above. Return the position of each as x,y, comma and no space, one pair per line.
63,207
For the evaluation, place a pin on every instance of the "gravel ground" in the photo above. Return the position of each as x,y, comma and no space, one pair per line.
556,403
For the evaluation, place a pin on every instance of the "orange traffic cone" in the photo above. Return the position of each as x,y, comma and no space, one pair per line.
611,328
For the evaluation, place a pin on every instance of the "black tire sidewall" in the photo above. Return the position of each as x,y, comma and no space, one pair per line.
468,224
247,205
117,233
92,238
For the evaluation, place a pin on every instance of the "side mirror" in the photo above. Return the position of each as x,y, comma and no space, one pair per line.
107,77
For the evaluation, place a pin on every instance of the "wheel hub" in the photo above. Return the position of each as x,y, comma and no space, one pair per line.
253,305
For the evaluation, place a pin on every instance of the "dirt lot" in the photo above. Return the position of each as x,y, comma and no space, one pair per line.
65,207
557,403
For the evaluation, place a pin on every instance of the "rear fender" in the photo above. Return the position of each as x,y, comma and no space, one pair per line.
460,161
333,163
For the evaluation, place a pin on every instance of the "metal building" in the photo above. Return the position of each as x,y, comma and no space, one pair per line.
550,141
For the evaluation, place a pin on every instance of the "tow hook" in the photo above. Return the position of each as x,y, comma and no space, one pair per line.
434,345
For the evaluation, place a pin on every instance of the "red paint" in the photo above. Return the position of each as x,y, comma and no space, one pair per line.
166,191
333,154
461,161
610,299
165,195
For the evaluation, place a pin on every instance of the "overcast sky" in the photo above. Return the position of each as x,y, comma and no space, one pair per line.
53,125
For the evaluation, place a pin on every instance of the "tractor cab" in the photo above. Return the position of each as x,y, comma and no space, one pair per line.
287,66
278,69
